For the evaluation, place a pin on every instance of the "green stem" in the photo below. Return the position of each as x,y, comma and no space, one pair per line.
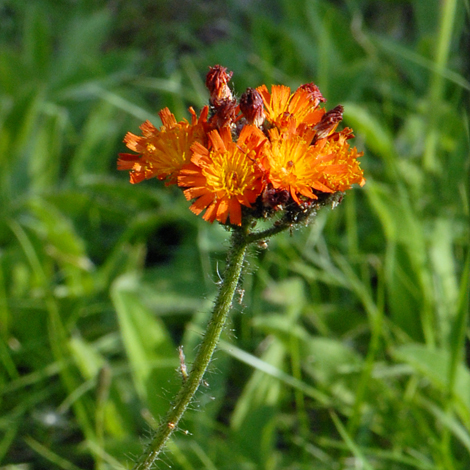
254,237
222,305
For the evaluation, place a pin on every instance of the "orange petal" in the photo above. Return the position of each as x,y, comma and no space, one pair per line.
126,161
168,118
211,213
235,211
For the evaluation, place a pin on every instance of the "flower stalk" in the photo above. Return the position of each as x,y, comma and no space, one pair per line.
222,305
241,238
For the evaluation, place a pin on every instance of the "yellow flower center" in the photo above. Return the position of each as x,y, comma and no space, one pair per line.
231,173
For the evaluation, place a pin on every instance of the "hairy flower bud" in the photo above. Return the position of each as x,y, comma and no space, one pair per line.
224,113
217,83
314,93
251,105
329,122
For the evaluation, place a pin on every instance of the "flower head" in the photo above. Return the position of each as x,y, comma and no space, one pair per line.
294,165
162,153
302,105
341,165
224,175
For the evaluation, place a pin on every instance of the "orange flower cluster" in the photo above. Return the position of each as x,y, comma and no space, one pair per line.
254,156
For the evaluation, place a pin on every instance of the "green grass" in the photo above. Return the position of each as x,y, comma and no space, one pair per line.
350,347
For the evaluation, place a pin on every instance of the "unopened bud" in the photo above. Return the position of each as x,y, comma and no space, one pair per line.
328,122
314,93
251,105
224,113
275,198
217,83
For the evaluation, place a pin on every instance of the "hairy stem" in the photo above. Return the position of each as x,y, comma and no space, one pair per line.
222,305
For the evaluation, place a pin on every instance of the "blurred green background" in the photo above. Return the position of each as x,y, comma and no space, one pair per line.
350,347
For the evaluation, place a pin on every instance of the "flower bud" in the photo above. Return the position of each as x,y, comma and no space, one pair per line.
328,122
224,113
314,93
251,105
217,83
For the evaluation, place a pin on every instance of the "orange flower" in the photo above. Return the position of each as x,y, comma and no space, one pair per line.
162,153
224,176
294,165
341,165
281,106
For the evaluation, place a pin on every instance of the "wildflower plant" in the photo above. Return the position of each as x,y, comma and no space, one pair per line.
273,156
